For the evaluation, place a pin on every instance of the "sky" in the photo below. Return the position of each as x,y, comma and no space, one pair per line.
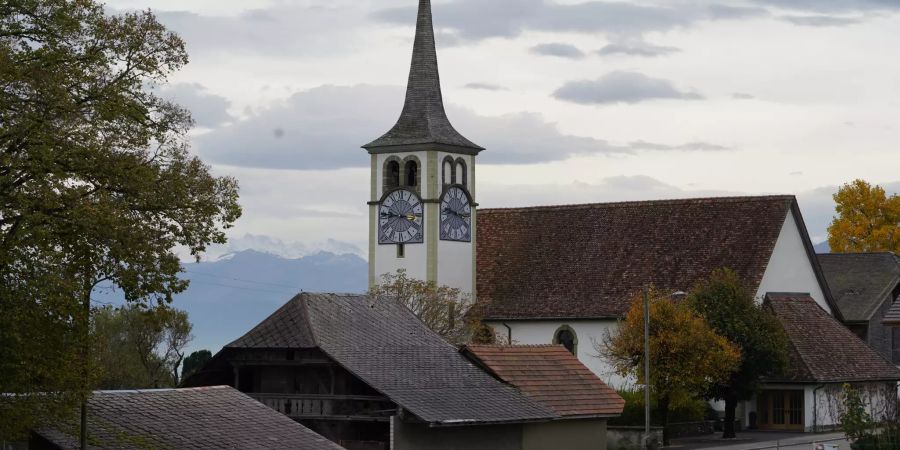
576,101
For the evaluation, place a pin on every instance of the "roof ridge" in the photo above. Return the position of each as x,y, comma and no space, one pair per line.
674,201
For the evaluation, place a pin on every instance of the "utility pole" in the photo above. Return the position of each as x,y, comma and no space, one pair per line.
646,368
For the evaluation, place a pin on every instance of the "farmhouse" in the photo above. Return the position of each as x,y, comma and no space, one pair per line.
367,374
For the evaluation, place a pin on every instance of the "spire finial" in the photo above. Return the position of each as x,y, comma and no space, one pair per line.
423,121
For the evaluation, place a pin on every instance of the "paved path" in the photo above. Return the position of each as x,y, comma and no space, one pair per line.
759,440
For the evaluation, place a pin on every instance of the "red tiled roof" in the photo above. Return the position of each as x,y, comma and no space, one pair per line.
822,349
586,261
550,375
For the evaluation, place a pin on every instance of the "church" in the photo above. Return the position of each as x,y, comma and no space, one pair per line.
566,274
549,278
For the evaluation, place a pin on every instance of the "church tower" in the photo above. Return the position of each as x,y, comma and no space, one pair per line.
422,205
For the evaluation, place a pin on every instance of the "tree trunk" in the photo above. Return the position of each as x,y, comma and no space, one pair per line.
664,416
730,408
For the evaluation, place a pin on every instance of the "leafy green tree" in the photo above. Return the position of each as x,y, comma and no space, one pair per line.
686,355
868,219
194,362
730,309
96,186
140,348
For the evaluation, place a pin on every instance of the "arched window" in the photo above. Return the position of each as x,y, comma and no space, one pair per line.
412,174
391,175
566,337
449,171
461,173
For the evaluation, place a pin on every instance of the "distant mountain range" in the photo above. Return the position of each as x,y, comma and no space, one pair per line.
822,247
229,296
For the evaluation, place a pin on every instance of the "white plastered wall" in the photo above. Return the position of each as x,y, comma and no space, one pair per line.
455,260
385,256
790,269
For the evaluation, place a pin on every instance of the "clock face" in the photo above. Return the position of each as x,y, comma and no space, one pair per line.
400,218
456,215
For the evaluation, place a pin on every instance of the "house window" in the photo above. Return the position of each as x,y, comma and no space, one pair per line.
566,337
401,251
412,174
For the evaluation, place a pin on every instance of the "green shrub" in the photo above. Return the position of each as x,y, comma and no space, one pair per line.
683,408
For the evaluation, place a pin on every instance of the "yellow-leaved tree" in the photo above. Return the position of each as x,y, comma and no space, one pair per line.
868,219
686,354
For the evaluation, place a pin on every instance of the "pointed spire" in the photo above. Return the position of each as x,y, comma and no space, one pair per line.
423,124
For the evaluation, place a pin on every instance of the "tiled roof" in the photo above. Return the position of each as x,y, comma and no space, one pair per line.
822,349
386,346
423,119
586,261
199,418
860,282
551,375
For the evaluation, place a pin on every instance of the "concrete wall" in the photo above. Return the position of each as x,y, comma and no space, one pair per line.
587,332
409,436
790,269
585,434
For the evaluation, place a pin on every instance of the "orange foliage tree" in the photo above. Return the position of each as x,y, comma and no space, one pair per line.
686,355
868,219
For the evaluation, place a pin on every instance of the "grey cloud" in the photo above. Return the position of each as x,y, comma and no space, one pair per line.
208,110
637,48
612,189
481,19
323,128
832,5
281,30
485,86
558,49
821,21
696,146
742,96
621,87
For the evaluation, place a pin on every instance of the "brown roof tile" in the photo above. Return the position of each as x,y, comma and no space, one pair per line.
586,261
552,376
822,349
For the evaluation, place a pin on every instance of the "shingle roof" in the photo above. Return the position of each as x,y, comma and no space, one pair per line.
860,282
386,346
822,349
198,418
551,375
423,119
586,261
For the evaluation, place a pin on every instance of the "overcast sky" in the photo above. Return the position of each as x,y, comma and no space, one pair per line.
575,101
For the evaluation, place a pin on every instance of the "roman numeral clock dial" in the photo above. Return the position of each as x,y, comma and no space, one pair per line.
400,218
456,215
